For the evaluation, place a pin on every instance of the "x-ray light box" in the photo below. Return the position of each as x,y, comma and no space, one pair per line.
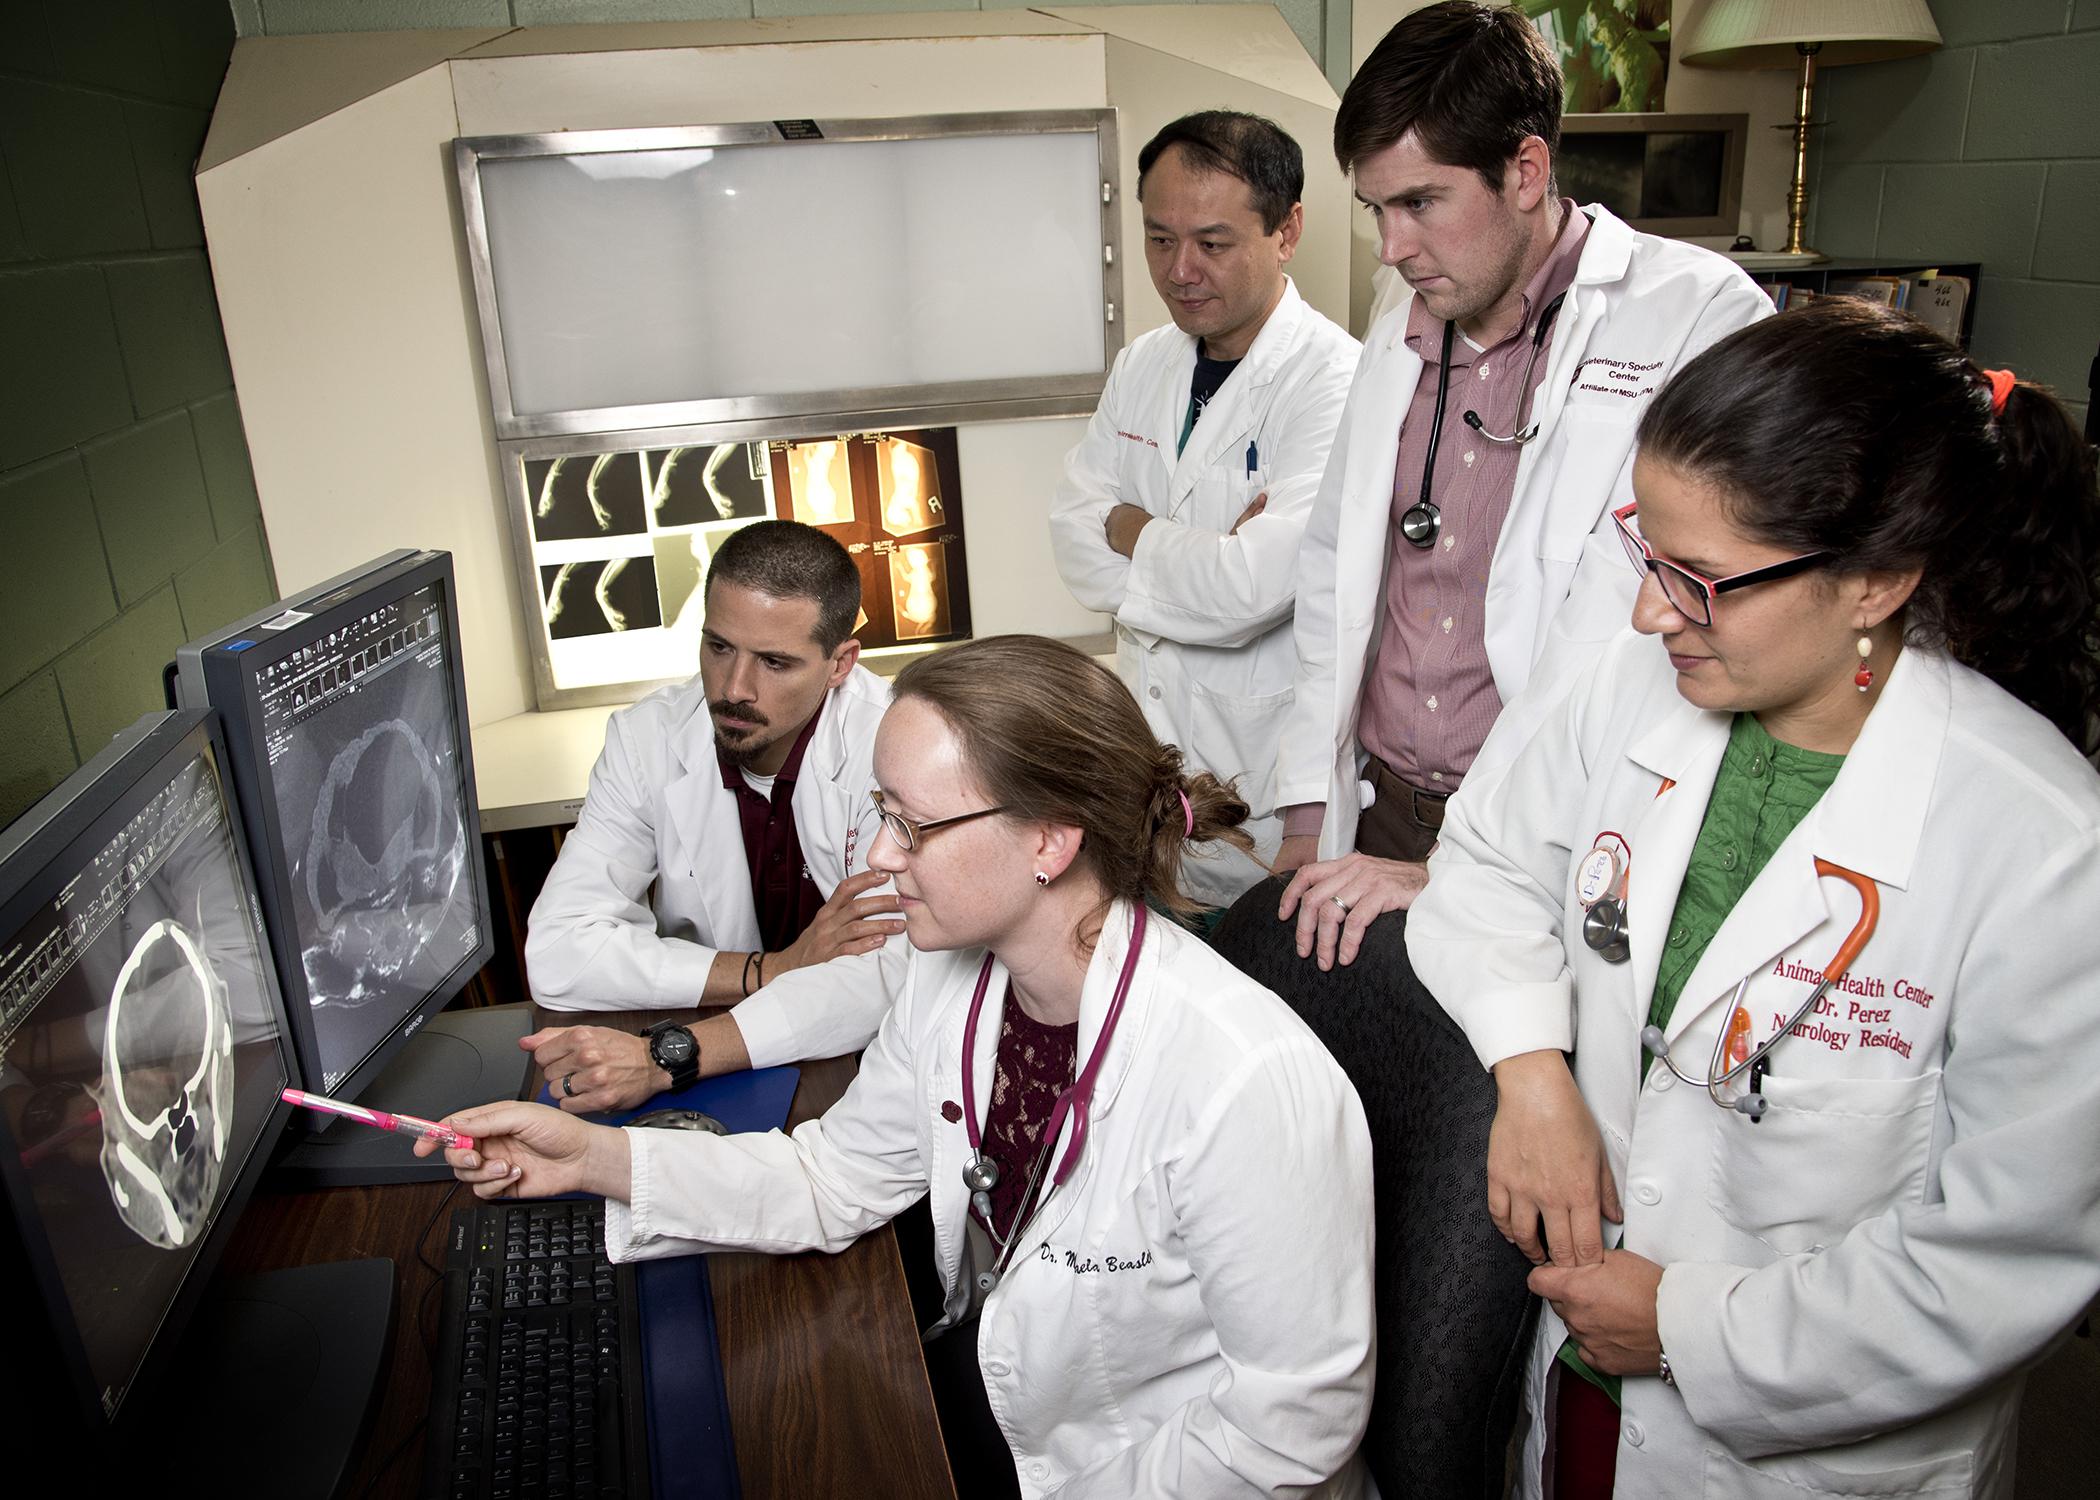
630,279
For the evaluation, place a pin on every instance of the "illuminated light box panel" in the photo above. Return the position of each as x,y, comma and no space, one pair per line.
800,269
614,540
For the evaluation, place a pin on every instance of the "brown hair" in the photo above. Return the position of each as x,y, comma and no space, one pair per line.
1471,81
1052,735
788,560
1847,428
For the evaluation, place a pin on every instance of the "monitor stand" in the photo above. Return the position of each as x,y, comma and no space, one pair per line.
458,1058
276,1387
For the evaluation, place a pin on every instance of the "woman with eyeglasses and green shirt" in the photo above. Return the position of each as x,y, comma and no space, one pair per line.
1150,1184
1797,1243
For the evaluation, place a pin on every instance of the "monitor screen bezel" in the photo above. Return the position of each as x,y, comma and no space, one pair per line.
229,680
86,811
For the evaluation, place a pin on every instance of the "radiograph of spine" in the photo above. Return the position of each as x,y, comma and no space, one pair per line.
919,590
386,853
910,501
166,1093
820,483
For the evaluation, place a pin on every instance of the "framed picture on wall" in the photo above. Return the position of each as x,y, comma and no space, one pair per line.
615,536
1666,174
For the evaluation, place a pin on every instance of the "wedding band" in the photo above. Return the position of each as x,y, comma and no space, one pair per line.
568,1086
1338,901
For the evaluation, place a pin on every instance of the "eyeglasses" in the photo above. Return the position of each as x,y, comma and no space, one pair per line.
1691,594
907,833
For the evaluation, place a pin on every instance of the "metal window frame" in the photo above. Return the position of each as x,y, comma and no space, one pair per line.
840,410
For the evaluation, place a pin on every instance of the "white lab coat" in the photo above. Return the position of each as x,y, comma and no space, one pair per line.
1189,1315
653,882
1558,584
1203,617
1854,1284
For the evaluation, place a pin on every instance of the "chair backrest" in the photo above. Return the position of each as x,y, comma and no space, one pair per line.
1454,1317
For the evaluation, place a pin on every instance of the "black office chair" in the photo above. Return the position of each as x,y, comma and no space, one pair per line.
1454,1318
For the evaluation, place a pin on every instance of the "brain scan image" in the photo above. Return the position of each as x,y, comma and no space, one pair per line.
144,1062
368,786
385,851
166,1094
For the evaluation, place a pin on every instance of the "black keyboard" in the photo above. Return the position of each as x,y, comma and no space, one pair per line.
537,1393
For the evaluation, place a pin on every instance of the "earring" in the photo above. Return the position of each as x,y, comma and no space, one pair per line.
1864,677
1041,878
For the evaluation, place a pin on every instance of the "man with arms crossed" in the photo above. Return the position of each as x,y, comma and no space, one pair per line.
717,848
1460,564
1181,511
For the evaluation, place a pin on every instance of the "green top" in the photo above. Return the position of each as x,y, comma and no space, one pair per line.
1763,789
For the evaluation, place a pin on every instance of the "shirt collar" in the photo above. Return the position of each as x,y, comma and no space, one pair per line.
784,778
1425,331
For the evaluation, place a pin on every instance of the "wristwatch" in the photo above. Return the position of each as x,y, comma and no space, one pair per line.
672,1048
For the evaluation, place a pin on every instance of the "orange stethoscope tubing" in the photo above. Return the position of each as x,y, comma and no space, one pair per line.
1753,1104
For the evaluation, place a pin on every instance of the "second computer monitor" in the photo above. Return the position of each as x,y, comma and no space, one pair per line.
346,725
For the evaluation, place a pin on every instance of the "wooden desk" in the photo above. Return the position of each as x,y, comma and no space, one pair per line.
827,1385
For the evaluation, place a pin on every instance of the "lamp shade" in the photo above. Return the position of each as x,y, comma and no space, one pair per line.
1767,33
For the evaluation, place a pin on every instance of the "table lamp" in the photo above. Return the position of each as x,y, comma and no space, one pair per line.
1803,33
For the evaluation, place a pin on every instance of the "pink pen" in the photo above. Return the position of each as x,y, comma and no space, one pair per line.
430,1130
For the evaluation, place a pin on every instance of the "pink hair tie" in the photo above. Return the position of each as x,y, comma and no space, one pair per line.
2002,382
1188,815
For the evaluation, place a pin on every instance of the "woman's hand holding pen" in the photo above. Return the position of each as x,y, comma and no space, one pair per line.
531,1151
1546,1164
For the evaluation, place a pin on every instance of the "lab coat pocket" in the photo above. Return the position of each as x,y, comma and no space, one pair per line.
1239,734
1828,1154
1790,1476
1594,445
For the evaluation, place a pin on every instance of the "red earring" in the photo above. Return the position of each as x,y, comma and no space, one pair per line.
1864,677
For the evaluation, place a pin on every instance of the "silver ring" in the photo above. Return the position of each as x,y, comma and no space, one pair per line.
567,1087
1338,901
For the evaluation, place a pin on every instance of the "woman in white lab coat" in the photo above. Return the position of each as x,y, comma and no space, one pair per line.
1184,1305
1827,1273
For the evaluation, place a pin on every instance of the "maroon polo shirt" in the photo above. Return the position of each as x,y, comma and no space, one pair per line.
786,898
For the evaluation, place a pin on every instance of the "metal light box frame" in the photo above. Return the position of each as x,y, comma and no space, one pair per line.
744,418
1733,128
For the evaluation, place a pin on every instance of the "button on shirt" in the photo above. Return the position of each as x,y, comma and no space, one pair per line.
1430,700
787,900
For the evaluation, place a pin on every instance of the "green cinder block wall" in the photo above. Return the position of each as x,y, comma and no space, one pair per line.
128,516
1986,150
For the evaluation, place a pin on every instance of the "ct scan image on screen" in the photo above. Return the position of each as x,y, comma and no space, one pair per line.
140,1061
365,764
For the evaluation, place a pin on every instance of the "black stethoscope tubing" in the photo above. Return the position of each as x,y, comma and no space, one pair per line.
1421,522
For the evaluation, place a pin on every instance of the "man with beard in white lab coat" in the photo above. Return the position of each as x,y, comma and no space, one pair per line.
723,844
1460,566
1181,511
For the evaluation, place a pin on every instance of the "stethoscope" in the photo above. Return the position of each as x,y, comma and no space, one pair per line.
981,1174
1421,521
1601,886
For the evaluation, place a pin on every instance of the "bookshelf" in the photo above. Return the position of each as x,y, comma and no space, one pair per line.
1911,282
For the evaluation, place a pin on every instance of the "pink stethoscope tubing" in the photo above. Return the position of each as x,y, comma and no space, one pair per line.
1075,1100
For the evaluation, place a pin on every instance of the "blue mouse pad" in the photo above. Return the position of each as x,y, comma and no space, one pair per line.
743,1102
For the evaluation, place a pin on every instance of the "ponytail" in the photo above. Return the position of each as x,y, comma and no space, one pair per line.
2026,610
1186,810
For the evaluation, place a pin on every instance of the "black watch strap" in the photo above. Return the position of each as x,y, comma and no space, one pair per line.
682,1074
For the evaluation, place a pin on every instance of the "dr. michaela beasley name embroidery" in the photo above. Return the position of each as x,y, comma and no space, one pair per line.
1091,1267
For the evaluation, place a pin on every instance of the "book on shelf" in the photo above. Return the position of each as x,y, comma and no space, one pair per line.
1884,291
1940,301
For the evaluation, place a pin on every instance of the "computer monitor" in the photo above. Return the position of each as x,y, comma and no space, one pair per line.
142,1052
345,717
